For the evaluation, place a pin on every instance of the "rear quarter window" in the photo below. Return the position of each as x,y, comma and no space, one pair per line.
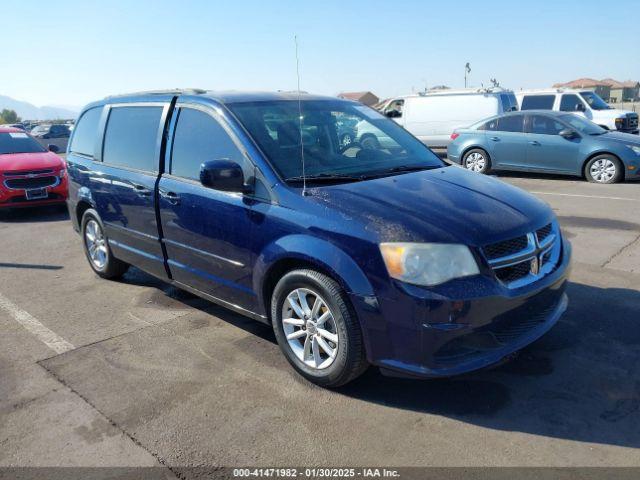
86,132
538,102
130,137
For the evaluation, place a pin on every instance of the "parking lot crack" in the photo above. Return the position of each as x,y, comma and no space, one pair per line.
624,248
112,422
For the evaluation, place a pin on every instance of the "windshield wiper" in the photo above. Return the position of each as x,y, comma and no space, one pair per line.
403,169
325,177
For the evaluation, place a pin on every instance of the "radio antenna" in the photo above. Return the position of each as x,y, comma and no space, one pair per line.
304,175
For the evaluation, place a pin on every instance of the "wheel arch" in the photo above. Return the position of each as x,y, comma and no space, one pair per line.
583,169
474,147
303,251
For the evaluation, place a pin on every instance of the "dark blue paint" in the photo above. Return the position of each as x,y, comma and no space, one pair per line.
227,245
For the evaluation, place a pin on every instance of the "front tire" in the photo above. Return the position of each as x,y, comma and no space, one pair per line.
604,169
477,160
316,328
96,247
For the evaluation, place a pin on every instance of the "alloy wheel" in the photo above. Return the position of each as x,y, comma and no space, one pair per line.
475,162
310,329
602,170
96,244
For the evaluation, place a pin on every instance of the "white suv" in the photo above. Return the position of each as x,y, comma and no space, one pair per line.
583,102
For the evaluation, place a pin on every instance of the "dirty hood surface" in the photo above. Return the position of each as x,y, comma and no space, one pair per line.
446,205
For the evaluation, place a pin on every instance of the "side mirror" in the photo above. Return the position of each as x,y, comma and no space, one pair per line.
223,175
53,148
580,107
568,133
392,114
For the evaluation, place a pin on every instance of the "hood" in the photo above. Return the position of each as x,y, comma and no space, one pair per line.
449,205
612,113
29,161
621,137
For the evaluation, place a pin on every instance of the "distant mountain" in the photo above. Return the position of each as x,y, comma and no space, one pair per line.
27,111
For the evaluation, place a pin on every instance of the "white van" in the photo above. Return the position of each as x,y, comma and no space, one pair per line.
586,103
433,116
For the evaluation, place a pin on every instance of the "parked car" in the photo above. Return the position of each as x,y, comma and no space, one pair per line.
549,142
354,256
19,126
29,174
585,103
433,116
56,134
47,131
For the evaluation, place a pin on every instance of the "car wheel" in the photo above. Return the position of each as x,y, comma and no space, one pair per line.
369,142
476,160
316,329
603,169
346,140
96,247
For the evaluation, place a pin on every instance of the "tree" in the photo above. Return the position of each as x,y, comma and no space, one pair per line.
9,116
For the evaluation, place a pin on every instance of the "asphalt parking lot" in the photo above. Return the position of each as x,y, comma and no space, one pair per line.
129,373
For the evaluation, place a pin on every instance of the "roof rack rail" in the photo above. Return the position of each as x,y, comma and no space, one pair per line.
170,91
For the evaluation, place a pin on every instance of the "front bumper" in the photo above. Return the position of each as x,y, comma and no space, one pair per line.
476,323
16,198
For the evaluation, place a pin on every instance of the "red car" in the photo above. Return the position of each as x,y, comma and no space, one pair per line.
29,174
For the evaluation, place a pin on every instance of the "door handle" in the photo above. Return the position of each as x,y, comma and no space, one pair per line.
171,197
495,139
142,190
534,143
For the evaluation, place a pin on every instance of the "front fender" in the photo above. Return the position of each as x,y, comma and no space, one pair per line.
316,251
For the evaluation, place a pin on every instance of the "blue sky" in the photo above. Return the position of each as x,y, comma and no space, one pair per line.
72,52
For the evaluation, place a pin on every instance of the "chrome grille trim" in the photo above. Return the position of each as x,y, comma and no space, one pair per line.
542,253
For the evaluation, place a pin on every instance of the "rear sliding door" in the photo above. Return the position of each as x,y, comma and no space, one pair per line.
123,183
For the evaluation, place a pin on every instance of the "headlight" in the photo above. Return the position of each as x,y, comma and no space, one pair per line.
635,148
619,122
428,264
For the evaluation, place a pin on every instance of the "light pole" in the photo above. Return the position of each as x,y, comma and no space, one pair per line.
467,69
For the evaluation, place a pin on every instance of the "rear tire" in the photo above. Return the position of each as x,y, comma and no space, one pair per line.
604,169
477,160
316,328
96,247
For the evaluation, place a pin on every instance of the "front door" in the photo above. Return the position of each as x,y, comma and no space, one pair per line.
546,149
207,233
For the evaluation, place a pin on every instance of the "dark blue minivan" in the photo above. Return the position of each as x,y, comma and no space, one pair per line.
358,255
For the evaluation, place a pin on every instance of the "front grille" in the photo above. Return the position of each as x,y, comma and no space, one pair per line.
28,183
509,330
28,172
523,259
514,272
505,248
633,122
543,232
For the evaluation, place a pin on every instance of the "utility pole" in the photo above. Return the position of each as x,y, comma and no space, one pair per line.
467,69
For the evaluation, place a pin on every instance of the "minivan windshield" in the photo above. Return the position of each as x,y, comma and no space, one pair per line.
18,142
594,101
340,140
583,125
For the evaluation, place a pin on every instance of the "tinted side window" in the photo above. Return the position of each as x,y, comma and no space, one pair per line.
130,139
199,138
511,123
86,132
569,102
538,102
545,125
